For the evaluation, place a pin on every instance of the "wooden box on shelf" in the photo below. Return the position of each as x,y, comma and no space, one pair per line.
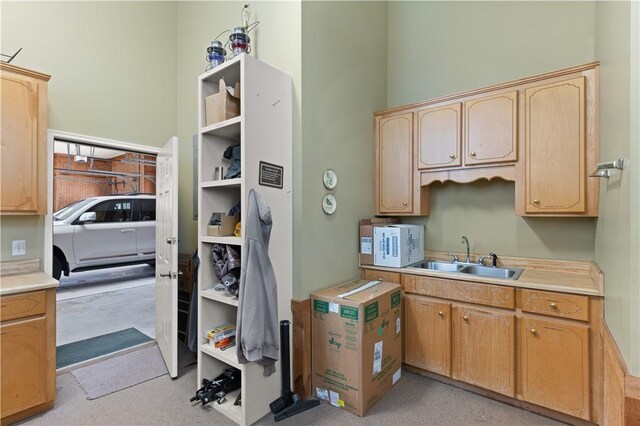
222,105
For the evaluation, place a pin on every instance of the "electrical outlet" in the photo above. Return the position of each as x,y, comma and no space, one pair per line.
18,247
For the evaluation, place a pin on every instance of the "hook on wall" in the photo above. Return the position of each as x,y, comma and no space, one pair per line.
603,170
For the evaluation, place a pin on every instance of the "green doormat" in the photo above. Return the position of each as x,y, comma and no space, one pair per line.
73,353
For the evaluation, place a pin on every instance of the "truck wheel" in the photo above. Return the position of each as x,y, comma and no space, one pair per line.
57,268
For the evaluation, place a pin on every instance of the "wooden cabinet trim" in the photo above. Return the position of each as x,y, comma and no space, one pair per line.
432,317
562,305
484,348
24,99
402,184
547,371
489,89
450,154
22,305
372,274
537,198
31,393
463,291
477,155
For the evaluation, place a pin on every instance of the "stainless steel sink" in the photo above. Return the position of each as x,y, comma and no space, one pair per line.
439,266
471,269
494,272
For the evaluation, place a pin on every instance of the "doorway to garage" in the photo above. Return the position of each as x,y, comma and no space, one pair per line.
103,249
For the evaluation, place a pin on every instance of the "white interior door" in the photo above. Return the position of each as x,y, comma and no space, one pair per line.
167,254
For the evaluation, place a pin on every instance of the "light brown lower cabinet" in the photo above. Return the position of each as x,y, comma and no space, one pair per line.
555,364
484,348
427,333
28,354
538,347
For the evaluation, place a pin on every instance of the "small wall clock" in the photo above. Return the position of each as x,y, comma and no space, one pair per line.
329,204
330,179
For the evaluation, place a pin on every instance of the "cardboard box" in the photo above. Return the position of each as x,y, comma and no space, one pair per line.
356,343
222,105
226,227
398,245
366,236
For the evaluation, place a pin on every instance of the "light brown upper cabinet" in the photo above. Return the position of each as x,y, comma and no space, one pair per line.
23,141
439,136
540,132
394,170
491,129
555,147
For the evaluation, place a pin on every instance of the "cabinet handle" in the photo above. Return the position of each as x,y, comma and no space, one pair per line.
473,154
404,203
466,318
536,201
553,305
452,156
533,331
441,313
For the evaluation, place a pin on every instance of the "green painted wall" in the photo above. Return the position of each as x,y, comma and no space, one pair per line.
109,78
275,41
616,245
440,48
344,57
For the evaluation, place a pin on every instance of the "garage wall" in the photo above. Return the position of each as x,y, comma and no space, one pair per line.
616,247
113,68
344,66
68,187
275,41
440,48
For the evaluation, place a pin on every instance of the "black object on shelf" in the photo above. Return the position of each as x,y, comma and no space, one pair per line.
288,404
218,388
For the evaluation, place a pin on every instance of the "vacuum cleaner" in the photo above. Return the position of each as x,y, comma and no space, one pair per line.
289,404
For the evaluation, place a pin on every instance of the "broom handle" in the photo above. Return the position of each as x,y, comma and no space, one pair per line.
285,363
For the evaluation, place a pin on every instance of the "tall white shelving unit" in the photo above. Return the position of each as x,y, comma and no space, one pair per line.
264,132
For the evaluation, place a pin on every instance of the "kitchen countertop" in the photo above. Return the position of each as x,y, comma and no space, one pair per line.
21,276
26,282
577,277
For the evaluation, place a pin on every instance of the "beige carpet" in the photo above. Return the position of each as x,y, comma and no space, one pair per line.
415,400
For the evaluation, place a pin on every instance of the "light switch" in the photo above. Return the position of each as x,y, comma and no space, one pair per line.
18,247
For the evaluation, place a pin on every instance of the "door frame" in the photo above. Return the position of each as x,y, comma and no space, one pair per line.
52,136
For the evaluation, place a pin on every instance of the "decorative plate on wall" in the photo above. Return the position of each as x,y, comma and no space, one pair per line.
329,204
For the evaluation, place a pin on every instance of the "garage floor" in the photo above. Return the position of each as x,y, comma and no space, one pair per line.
94,303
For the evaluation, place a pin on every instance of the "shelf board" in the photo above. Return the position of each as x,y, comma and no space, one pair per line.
220,296
224,183
228,129
228,357
234,241
234,412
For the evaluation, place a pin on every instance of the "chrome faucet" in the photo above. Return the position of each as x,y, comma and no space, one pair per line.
465,240
494,259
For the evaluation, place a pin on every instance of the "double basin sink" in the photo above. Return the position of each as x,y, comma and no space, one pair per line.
471,269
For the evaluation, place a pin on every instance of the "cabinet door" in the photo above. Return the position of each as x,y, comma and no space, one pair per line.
484,348
19,144
23,364
439,136
555,147
491,129
427,334
394,171
555,365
